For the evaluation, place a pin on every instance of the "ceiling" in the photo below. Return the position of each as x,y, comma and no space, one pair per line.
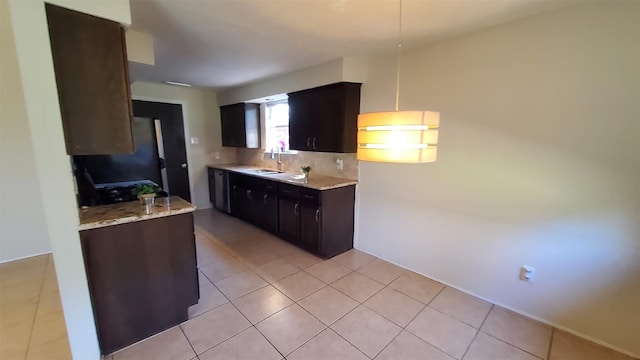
224,43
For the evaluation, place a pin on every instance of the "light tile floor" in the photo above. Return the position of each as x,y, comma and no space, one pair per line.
262,298
31,320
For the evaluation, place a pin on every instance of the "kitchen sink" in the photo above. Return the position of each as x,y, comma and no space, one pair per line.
296,178
265,171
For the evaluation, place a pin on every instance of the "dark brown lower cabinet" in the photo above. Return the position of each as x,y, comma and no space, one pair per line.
321,220
271,203
288,219
142,277
310,227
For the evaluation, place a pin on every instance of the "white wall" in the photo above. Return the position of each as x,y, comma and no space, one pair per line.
539,164
202,120
342,69
51,162
22,223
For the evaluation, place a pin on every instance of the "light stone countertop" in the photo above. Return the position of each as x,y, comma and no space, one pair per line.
318,182
94,217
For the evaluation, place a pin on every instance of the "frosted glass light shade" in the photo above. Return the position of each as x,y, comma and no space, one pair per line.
398,136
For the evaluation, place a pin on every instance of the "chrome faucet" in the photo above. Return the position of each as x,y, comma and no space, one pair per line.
279,159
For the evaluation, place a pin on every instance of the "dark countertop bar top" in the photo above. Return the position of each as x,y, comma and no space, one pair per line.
316,181
94,217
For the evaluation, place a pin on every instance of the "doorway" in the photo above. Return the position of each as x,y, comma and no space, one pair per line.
171,144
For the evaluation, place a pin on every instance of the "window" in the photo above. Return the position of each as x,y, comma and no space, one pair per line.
277,125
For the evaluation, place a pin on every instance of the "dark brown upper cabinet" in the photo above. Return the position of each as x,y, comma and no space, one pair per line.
240,125
325,118
90,61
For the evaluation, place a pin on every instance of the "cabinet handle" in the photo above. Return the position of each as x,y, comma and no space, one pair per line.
308,142
318,215
310,196
295,209
265,199
249,194
314,142
235,187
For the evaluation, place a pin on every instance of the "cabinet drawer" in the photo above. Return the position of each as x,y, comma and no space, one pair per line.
290,191
270,186
310,196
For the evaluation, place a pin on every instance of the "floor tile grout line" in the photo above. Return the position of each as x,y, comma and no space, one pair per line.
486,316
228,302
553,333
494,306
35,315
389,343
187,338
512,345
267,340
357,306
257,329
427,306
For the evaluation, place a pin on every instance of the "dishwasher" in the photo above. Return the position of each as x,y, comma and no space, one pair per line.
221,190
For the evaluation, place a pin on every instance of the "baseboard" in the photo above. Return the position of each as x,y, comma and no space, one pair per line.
24,257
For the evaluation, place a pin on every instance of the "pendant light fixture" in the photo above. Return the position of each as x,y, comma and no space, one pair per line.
398,136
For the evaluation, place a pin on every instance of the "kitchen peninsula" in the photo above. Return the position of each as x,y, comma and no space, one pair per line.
141,268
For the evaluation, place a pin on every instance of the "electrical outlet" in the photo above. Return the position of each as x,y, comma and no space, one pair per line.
527,273
340,163
216,155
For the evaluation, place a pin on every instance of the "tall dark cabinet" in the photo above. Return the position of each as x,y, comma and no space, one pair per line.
92,76
325,118
240,125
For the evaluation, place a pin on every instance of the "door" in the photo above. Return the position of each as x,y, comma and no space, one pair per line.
170,116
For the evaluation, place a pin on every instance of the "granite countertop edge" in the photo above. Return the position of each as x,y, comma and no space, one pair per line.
109,215
317,182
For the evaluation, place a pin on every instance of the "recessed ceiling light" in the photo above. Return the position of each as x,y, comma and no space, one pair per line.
177,83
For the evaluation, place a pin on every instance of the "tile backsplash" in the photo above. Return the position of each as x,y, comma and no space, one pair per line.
321,163
222,155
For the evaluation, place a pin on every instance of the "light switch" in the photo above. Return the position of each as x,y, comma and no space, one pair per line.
195,141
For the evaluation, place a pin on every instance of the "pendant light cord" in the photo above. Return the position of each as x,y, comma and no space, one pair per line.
398,56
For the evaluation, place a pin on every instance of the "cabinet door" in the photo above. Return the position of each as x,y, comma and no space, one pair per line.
301,121
310,229
232,125
90,61
212,185
325,118
289,219
255,208
271,220
328,114
237,201
240,125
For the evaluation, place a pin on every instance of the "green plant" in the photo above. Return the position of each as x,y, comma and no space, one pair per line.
142,189
306,168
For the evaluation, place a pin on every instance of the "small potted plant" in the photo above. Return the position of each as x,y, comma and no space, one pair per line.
146,193
306,170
